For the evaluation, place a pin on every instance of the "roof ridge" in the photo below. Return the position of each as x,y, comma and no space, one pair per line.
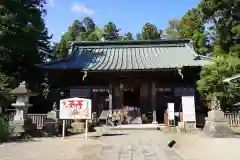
191,49
133,46
196,55
133,42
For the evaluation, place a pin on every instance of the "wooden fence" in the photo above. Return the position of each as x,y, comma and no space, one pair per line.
38,119
233,119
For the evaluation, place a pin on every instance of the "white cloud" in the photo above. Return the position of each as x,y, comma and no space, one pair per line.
80,8
51,3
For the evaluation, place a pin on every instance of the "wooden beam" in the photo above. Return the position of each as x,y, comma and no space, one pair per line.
110,98
121,94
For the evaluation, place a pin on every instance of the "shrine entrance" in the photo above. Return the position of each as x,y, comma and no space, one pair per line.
131,92
131,97
128,73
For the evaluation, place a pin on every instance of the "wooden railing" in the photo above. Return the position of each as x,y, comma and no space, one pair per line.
233,119
38,119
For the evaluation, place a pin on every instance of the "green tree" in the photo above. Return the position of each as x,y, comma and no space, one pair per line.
111,32
61,50
224,16
92,37
173,29
128,36
74,31
79,31
192,27
191,22
100,33
211,86
5,83
89,33
89,24
138,36
24,39
150,32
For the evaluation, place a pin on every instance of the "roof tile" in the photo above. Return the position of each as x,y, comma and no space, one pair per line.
128,57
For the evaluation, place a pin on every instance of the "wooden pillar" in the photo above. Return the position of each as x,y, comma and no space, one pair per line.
153,99
144,98
110,101
121,95
114,96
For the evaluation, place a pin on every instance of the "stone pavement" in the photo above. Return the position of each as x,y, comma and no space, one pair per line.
137,145
131,145
198,146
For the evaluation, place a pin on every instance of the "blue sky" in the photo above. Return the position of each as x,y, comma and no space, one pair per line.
129,15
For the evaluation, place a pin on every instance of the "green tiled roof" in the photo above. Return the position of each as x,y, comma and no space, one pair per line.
128,55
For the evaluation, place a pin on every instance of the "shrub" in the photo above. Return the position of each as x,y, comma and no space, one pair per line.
91,127
5,130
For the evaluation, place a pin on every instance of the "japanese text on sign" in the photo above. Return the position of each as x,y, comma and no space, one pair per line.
75,108
188,107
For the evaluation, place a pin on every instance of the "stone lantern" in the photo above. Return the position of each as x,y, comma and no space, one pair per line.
21,123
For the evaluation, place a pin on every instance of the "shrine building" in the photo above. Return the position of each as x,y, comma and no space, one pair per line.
144,74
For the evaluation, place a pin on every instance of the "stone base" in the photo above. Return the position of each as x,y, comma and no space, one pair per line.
216,125
50,129
20,127
190,127
172,129
136,120
154,122
218,129
78,126
187,127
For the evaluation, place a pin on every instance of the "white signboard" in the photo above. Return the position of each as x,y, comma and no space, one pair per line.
188,107
75,108
171,111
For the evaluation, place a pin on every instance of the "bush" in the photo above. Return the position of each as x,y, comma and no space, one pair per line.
5,130
91,127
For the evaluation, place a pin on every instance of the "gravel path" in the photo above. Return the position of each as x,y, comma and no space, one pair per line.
128,145
200,147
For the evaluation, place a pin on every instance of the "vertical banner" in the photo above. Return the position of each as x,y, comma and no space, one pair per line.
171,111
188,107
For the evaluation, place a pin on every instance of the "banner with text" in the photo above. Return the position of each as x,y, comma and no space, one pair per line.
188,107
171,115
75,108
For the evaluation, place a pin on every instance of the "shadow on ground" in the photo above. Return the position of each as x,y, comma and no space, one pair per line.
109,134
20,140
